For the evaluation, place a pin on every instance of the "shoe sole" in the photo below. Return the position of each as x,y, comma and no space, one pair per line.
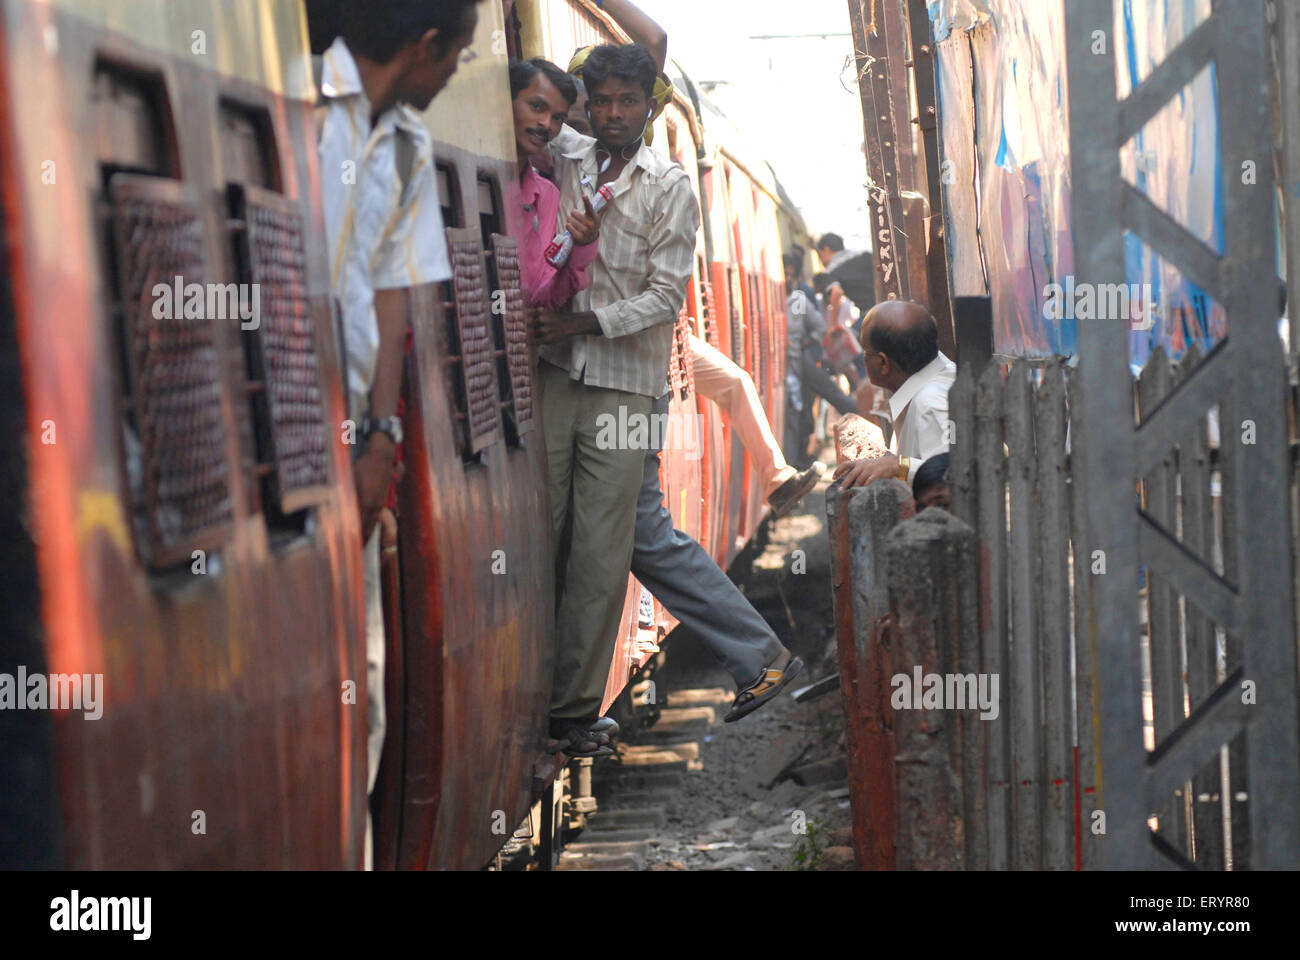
554,747
795,498
792,670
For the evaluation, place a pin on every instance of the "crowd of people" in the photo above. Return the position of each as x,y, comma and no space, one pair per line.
603,308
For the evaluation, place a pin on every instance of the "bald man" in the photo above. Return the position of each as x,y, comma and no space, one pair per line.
901,344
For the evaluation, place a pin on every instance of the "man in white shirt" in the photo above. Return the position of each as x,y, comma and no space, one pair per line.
383,224
902,351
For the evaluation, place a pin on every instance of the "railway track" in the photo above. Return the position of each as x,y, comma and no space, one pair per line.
635,793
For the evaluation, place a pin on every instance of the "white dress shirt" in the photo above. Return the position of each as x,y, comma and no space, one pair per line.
380,236
919,409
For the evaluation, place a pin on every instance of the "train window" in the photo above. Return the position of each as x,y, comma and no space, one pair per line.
470,356
684,369
449,195
174,437
758,333
151,231
290,439
708,308
490,219
737,319
509,325
510,336
457,394
248,153
134,130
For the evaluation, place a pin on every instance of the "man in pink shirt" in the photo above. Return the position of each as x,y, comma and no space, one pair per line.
542,94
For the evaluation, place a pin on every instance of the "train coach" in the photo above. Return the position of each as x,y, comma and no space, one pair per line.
179,527
179,496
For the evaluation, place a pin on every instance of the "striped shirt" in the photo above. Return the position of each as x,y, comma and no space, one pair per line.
638,282
383,221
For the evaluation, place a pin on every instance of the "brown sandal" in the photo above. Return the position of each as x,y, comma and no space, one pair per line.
766,687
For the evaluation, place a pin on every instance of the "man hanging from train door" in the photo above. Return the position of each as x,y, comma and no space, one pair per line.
609,359
716,377
383,224
669,562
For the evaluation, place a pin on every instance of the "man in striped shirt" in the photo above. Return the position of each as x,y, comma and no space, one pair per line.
603,365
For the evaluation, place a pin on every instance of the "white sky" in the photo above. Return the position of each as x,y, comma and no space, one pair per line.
786,95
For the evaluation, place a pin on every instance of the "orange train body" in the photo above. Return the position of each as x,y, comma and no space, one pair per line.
188,531
234,724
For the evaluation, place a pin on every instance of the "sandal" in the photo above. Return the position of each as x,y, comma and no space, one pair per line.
605,730
766,687
576,738
786,497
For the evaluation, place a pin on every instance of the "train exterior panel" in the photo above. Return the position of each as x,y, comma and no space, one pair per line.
477,582
192,534
189,520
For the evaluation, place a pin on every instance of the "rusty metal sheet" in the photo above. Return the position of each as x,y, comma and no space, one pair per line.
175,398
219,695
518,344
286,345
477,366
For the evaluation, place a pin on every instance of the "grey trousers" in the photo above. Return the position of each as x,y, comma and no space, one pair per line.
602,477
684,578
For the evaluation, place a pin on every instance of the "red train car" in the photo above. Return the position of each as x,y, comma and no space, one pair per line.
469,665
180,528
177,494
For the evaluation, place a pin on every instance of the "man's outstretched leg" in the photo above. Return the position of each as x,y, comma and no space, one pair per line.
683,577
732,388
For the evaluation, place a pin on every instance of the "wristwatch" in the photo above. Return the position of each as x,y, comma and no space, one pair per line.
392,426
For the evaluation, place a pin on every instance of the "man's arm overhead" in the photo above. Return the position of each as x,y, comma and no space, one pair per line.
640,28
